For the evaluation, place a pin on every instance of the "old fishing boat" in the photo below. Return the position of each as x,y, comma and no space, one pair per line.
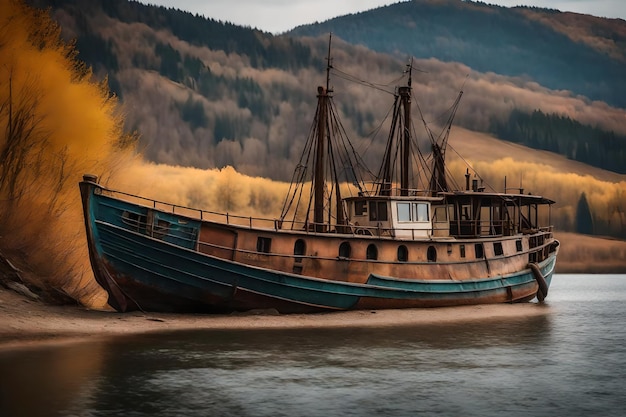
387,246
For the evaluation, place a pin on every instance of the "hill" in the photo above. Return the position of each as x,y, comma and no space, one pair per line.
226,88
561,51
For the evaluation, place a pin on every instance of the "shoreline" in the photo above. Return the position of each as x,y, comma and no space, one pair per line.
26,323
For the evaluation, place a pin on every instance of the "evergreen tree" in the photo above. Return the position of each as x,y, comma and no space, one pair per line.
193,113
584,219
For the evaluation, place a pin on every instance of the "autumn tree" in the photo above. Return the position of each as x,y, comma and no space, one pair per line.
56,123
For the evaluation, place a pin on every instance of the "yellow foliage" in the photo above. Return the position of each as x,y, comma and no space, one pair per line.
56,124
218,190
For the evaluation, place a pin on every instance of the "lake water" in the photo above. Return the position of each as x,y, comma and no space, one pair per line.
570,361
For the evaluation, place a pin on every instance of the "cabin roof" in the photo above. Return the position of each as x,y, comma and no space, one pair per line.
521,198
456,195
414,198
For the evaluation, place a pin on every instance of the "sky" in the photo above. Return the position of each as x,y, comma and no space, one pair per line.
277,16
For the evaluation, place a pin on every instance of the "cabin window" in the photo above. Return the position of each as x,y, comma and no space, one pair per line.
431,254
344,250
263,244
518,245
160,229
497,249
462,250
404,212
360,208
480,250
372,252
465,212
299,248
412,212
403,253
378,211
137,222
420,212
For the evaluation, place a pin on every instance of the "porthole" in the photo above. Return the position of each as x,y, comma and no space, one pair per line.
403,253
344,250
299,249
372,252
431,254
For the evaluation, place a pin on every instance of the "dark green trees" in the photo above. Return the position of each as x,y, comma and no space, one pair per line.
584,219
563,135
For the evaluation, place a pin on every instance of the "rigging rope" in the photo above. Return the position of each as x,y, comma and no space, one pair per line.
352,78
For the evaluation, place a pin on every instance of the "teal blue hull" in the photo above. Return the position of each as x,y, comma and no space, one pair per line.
168,274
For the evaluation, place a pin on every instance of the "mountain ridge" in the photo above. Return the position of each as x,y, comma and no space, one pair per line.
220,66
521,41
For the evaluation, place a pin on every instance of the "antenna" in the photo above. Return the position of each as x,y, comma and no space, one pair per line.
329,63
410,70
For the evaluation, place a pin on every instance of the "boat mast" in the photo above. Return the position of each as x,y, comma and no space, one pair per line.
438,181
399,139
322,137
405,168
328,155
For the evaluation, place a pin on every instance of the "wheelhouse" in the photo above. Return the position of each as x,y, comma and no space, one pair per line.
458,215
480,214
400,217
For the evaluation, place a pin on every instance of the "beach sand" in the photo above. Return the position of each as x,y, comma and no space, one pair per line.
26,322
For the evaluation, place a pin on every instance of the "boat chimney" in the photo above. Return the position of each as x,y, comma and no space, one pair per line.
474,185
467,178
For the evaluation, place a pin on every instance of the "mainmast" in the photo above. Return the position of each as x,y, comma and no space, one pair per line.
328,158
322,143
318,179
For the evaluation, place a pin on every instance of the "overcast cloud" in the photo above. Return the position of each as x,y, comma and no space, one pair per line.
281,15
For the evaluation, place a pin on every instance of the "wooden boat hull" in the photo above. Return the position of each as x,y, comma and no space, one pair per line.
169,273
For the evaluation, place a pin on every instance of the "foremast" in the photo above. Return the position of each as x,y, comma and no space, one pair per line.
328,160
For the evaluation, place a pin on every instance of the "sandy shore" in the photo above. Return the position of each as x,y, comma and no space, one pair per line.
25,322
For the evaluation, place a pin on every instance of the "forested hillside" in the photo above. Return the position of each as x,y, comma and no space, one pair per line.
586,55
207,94
561,134
217,62
562,51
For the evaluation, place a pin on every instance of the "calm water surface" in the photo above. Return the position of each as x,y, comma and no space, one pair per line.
570,361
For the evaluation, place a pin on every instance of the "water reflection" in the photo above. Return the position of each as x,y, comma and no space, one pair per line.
349,371
43,382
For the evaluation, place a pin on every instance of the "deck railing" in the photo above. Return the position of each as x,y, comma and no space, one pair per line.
470,229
